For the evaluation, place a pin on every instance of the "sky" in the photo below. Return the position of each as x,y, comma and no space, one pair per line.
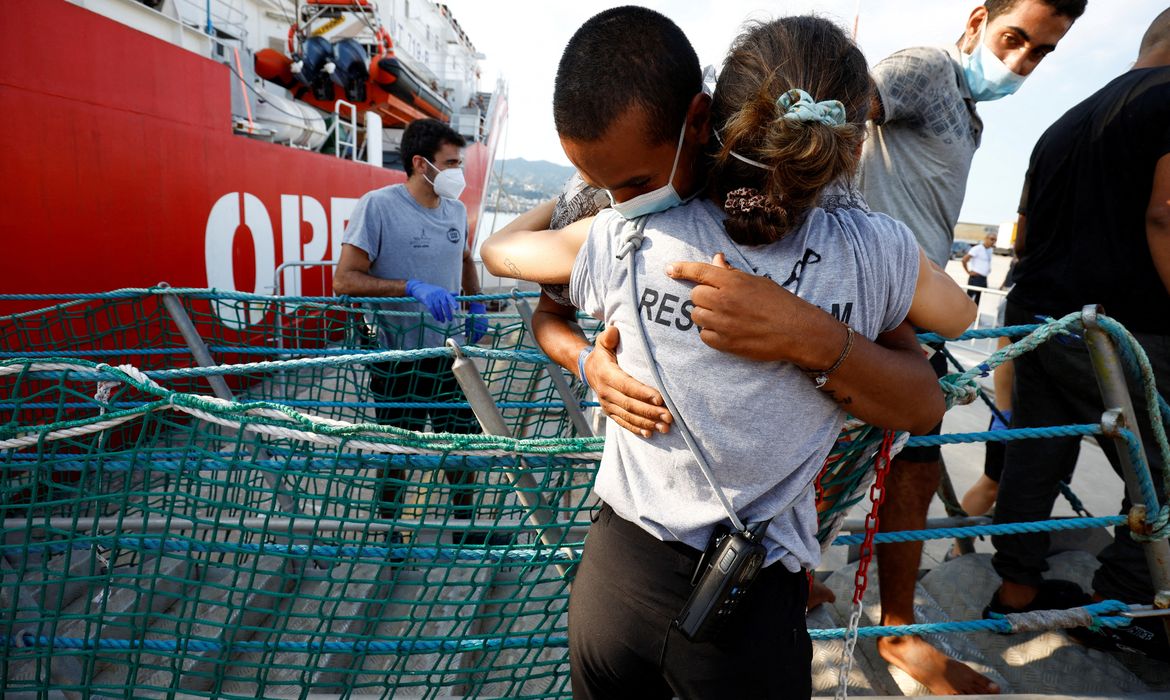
523,40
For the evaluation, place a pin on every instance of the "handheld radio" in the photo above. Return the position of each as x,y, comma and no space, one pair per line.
726,570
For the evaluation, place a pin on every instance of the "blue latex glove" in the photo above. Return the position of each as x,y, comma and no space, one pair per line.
476,324
438,301
997,424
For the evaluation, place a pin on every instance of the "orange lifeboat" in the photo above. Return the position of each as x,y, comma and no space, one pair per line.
321,72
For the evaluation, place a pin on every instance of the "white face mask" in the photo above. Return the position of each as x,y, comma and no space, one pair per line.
661,199
988,77
448,183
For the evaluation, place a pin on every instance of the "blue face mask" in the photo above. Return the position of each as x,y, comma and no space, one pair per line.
988,77
661,199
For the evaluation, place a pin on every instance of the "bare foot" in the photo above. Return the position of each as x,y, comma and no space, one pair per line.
941,674
819,593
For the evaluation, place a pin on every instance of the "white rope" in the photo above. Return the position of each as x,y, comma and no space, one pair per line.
75,431
358,439
1042,620
43,367
353,440
102,395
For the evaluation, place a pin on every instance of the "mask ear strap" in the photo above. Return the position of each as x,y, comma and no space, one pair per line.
979,35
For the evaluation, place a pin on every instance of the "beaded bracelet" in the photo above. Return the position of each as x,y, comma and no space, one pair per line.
821,377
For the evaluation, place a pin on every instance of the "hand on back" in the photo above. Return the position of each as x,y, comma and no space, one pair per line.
631,404
743,314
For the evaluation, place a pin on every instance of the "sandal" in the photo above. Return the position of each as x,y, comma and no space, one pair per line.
1053,594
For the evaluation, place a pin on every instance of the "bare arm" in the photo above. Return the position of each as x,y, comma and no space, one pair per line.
1021,235
939,304
889,385
353,277
525,249
967,259
633,405
470,279
1158,220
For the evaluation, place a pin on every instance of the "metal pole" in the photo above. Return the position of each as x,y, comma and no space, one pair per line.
220,388
950,501
1120,413
858,524
492,421
572,405
195,343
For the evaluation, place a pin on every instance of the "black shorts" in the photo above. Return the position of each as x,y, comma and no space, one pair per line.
932,453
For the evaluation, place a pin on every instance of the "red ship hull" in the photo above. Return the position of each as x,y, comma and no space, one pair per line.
126,171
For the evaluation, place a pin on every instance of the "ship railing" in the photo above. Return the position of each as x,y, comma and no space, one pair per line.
490,116
286,282
469,122
212,16
344,131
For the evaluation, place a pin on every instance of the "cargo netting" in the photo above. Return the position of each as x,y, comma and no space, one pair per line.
239,511
160,538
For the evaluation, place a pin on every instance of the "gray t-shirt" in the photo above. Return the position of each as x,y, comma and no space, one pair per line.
764,428
406,240
914,164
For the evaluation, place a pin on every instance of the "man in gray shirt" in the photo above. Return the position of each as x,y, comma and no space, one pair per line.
411,240
914,167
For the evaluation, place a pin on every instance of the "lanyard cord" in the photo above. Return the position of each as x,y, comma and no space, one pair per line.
632,242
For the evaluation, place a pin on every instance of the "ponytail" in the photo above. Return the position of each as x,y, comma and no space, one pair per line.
779,147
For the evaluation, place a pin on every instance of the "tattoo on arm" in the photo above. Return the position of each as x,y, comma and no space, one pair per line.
839,400
512,267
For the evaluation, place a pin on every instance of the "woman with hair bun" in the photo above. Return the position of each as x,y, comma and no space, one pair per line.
752,430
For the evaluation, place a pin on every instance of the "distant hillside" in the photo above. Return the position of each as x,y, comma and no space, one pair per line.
528,181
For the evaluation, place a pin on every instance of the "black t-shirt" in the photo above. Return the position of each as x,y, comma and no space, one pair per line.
1085,199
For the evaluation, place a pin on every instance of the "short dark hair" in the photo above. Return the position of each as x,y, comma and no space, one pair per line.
424,137
1067,8
1157,34
619,58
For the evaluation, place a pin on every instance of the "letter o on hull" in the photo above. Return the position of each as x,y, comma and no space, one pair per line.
223,224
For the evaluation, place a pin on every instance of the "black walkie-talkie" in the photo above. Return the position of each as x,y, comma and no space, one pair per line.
725,572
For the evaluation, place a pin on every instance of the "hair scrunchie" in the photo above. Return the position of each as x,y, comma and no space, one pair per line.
745,200
798,105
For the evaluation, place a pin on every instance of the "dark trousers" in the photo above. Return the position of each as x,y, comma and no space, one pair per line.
629,588
426,380
1055,385
976,281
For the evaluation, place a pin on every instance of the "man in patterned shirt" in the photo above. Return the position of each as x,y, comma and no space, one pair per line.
914,167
